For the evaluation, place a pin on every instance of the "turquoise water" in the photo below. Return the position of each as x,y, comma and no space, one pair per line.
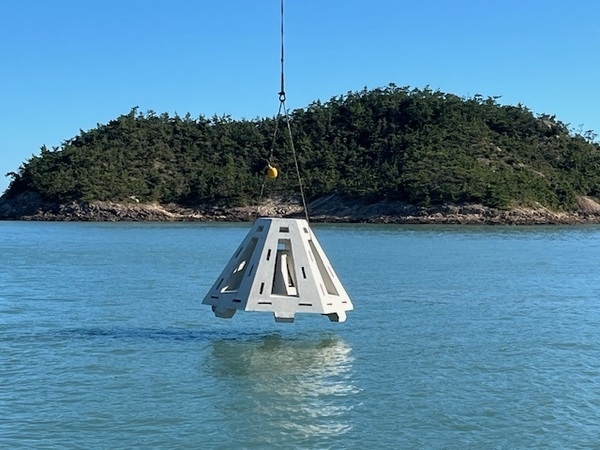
461,338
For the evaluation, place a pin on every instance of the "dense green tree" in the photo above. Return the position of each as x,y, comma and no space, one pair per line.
420,146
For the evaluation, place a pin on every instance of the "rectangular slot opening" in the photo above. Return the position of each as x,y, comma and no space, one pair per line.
304,304
284,275
262,288
268,254
240,268
284,229
303,273
260,228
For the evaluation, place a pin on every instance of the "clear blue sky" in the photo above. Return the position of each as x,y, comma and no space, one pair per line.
68,65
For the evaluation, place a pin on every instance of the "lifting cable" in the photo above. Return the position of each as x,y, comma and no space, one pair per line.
284,112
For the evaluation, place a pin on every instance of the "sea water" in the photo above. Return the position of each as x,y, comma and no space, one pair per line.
461,338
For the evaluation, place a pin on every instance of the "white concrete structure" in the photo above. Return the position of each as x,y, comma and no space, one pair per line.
279,267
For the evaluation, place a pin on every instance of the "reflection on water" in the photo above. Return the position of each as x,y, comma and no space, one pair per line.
282,389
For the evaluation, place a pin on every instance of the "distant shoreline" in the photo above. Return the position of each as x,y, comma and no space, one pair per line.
330,209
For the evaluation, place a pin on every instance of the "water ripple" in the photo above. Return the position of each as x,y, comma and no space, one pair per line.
462,338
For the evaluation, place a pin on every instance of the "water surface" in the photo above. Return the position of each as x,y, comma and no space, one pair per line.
462,337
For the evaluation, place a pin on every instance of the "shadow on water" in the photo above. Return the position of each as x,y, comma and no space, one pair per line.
157,334
219,338
300,388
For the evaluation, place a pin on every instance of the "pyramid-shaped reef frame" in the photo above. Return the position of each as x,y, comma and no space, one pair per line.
281,268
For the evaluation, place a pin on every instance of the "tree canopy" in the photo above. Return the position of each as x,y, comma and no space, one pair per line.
421,146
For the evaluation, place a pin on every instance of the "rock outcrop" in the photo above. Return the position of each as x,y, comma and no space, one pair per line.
326,209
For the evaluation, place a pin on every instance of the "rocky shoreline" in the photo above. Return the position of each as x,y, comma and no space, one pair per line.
330,209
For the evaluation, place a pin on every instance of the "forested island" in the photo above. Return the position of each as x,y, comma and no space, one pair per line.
393,154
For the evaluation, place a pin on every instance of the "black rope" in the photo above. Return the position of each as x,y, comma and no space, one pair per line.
289,128
282,107
282,90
